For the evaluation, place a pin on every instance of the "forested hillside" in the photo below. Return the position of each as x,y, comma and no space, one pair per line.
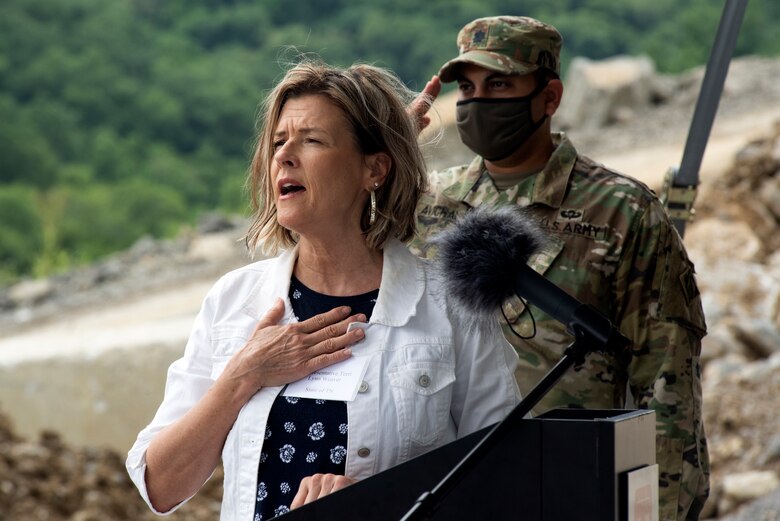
130,117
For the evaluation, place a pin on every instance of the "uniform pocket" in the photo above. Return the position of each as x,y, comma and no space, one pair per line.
422,392
513,307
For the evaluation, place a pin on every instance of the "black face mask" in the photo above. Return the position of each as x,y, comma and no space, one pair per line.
496,127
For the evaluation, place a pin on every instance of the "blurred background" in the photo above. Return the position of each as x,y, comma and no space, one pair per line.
125,134
132,117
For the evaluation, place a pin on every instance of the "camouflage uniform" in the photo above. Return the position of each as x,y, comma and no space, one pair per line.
611,246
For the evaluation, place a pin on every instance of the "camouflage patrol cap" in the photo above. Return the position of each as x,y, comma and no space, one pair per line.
507,44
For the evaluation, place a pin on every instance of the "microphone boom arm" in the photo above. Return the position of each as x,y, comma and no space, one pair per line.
586,323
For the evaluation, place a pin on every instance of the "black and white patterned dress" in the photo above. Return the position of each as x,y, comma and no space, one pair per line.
304,436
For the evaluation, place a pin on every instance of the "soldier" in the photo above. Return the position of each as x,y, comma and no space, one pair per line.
611,246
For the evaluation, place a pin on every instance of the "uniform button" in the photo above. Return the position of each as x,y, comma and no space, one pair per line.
363,452
424,380
363,387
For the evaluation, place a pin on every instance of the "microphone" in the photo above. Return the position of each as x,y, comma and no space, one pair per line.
483,259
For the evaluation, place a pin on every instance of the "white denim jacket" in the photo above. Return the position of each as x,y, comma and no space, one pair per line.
431,377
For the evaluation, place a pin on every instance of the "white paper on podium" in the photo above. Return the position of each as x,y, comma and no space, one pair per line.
339,381
642,490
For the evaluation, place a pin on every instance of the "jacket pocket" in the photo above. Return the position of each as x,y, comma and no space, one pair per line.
422,391
218,364
224,344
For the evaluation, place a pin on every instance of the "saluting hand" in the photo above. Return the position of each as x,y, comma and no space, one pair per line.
419,107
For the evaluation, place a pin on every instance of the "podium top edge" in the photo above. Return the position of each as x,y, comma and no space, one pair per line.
604,415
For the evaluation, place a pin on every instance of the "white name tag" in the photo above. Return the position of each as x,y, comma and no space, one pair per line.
339,381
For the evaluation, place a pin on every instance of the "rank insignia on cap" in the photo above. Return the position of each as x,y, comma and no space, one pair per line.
479,38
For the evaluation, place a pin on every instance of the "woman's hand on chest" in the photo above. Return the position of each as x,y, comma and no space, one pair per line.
277,354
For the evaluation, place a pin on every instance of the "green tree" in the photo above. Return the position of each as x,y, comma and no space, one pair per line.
100,219
21,237
147,209
25,156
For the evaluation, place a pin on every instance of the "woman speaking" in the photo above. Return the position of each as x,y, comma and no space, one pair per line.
379,369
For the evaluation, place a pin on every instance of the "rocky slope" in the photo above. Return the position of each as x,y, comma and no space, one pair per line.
47,480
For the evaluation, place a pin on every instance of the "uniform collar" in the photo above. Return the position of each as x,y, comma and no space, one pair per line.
552,181
400,291
549,185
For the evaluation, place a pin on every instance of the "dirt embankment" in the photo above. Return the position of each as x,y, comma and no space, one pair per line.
47,480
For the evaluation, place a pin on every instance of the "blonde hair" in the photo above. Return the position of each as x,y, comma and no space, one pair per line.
374,101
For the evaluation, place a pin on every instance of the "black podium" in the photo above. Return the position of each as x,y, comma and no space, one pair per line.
566,464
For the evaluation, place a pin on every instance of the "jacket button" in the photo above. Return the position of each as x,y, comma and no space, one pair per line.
424,380
363,452
363,387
